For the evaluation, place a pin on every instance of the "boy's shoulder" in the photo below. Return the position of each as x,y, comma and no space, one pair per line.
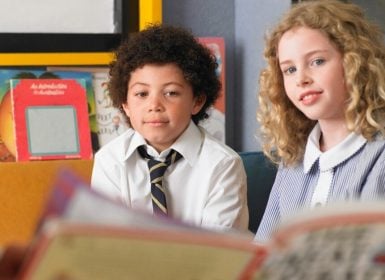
214,147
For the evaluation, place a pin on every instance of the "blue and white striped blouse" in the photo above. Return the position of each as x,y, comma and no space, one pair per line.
354,169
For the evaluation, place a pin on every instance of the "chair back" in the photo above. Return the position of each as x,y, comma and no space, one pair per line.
260,173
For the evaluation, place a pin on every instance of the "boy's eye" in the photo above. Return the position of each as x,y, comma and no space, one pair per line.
141,94
171,93
289,70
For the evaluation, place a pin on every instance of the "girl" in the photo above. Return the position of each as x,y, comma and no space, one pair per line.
322,109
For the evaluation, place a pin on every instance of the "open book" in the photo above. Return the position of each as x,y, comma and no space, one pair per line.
339,241
83,235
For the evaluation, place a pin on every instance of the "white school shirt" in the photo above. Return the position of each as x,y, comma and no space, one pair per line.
353,170
207,187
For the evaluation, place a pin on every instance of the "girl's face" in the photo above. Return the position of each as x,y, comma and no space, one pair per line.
313,74
160,103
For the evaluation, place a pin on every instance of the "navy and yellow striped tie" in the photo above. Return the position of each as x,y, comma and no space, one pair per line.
157,170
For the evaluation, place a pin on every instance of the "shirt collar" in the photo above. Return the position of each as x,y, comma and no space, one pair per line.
331,158
187,144
136,141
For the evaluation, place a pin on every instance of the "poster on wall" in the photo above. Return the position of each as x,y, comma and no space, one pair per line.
66,26
47,16
215,124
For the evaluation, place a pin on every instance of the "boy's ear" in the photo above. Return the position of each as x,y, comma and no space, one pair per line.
198,104
126,109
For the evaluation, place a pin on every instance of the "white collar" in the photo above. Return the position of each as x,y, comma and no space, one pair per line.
331,158
188,144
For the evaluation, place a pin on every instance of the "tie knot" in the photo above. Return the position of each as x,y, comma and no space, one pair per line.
172,157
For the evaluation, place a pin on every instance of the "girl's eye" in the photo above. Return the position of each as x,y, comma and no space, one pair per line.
289,70
318,61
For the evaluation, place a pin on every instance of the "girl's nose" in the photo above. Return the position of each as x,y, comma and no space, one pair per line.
303,79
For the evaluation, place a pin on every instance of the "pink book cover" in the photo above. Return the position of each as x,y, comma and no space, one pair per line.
50,119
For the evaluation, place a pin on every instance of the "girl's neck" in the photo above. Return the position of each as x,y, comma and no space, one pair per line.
332,135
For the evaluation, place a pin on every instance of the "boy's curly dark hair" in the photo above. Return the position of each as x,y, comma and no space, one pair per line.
162,44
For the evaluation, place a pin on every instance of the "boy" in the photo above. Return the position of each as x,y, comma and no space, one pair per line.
164,81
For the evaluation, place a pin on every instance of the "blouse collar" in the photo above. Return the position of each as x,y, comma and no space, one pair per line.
333,157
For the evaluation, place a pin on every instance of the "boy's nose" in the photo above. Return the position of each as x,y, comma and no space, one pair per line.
155,104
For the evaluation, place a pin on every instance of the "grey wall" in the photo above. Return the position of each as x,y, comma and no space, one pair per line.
374,9
252,20
243,24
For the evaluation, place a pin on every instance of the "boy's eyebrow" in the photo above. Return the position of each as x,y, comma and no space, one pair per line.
166,84
173,83
306,55
138,83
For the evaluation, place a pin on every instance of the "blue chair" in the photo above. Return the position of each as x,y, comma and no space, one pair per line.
260,173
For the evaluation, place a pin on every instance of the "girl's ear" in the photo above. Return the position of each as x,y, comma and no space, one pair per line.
199,101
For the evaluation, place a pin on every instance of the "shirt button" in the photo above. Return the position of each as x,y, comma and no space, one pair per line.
318,204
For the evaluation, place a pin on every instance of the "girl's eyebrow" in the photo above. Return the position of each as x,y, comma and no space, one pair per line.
310,53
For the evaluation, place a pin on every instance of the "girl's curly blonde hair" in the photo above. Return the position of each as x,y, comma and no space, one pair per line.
285,129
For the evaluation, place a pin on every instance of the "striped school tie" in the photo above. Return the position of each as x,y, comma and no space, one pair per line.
157,169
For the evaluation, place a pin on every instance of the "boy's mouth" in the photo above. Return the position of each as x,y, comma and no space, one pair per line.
156,122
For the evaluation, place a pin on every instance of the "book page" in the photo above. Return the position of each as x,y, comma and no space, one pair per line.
135,254
335,242
84,235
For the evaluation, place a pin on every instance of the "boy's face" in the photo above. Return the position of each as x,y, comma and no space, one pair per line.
160,103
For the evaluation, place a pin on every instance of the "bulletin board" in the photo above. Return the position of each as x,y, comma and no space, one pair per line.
45,42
